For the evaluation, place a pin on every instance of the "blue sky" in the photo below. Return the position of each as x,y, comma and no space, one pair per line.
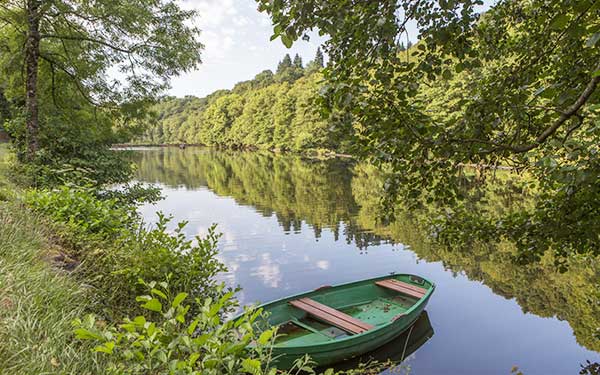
237,47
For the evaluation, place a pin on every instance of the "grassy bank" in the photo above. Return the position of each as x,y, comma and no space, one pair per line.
37,301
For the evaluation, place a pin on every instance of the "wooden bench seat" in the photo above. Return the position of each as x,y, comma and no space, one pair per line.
331,315
402,287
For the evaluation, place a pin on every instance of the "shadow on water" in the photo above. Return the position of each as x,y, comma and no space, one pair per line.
292,224
397,351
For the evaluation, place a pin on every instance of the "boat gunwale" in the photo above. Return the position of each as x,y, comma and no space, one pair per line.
417,304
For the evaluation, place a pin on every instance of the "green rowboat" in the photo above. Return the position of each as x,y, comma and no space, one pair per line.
335,323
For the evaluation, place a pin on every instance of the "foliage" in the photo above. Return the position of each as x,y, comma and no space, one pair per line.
37,303
84,215
116,249
515,86
272,111
170,339
67,110
191,265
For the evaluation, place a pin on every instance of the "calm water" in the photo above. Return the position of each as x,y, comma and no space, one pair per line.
291,224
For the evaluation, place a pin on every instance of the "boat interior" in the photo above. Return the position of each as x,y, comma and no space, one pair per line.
333,313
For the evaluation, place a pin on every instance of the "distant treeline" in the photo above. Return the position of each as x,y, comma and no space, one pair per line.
271,111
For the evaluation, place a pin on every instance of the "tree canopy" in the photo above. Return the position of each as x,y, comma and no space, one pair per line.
271,111
515,86
77,75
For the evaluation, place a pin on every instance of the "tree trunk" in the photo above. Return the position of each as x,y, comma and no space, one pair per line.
4,108
32,56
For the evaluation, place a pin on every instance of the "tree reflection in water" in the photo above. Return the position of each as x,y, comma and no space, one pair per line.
343,196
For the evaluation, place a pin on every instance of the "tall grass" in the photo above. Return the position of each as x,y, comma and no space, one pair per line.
37,301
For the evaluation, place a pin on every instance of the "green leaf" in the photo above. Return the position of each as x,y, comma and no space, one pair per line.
193,358
84,334
200,340
251,366
192,328
106,348
265,337
158,293
143,298
153,305
596,73
139,320
178,299
287,41
162,356
151,329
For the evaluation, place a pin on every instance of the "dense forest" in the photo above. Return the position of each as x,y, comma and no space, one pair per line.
272,111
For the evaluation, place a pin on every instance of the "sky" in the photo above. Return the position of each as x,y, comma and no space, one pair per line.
237,46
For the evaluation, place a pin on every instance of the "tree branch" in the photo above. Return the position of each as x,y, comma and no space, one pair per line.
564,116
83,38
570,112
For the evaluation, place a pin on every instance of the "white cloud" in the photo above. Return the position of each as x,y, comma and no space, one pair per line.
268,271
323,264
236,46
213,13
241,21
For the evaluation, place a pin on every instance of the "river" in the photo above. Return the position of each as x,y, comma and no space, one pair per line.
292,224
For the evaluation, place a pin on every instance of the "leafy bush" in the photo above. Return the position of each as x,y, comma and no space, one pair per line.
179,335
82,213
116,249
148,253
170,340
74,149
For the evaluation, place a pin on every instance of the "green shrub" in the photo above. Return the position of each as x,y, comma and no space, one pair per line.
116,250
168,339
179,335
82,212
151,253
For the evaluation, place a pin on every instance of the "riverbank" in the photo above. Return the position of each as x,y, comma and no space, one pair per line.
38,301
311,153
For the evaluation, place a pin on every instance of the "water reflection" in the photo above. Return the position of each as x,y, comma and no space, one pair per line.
292,224
291,188
400,351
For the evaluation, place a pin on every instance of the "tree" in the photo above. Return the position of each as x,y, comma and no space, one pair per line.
298,62
284,64
319,58
263,79
516,86
288,71
317,64
67,50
